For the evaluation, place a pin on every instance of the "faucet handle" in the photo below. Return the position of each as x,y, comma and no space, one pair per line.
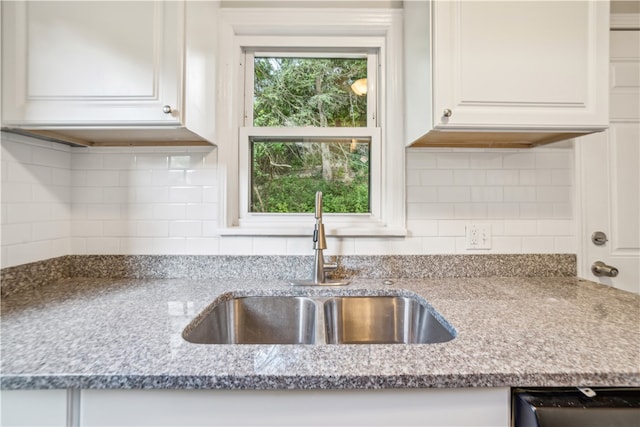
318,204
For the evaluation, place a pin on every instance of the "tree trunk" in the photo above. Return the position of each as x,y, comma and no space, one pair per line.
327,172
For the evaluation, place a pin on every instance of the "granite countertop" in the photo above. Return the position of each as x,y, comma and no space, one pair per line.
126,333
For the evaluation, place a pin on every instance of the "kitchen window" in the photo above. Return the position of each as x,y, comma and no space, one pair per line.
310,125
311,116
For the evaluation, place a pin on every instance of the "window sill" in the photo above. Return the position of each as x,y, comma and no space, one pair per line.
295,230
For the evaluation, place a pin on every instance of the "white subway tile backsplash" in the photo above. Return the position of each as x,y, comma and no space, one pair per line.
152,161
430,210
519,160
28,212
451,194
269,246
413,177
451,228
202,246
135,178
209,228
435,177
101,178
85,228
116,195
520,228
102,246
84,159
470,210
87,194
202,211
420,159
438,245
149,228
553,194
538,245
157,194
422,194
54,158
453,160
565,245
165,200
506,245
503,210
28,252
15,151
18,192
420,227
186,161
505,177
556,228
209,194
103,211
299,246
13,234
396,246
563,210
520,194
468,177
487,194
185,228
191,194
201,177
562,177
488,160
554,159
118,161
50,230
236,245
117,228
175,211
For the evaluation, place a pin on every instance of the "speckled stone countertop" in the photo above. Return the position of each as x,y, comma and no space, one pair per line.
126,333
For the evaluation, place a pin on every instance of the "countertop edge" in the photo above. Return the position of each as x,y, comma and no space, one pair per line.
346,382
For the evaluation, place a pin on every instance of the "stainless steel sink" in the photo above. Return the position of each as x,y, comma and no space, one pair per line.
318,320
381,320
257,320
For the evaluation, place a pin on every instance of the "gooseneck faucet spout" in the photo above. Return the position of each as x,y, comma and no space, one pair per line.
320,268
319,239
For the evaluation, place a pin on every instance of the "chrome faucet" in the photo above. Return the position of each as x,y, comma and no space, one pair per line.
320,268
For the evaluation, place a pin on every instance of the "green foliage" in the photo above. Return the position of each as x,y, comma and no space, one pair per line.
309,92
288,194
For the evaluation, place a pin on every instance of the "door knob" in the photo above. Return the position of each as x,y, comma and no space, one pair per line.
599,268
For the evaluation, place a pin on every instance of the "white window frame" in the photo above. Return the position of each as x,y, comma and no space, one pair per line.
324,30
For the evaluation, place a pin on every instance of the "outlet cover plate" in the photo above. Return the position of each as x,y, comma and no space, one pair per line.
478,236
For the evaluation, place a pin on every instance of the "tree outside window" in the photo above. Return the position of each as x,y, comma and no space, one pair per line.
309,92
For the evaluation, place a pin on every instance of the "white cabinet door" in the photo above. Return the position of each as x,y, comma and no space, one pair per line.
609,176
33,408
520,65
92,63
426,407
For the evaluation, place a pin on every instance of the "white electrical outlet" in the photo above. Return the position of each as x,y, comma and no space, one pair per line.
478,236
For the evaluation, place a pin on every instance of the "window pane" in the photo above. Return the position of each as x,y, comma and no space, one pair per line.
287,172
319,92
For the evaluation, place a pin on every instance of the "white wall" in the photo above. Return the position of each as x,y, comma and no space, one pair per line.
58,200
36,200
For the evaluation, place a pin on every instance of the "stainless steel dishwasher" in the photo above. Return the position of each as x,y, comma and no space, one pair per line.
575,407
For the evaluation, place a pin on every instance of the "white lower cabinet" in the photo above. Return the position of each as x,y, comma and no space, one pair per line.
425,407
33,408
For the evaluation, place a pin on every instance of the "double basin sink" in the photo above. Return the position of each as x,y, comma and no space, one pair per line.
319,320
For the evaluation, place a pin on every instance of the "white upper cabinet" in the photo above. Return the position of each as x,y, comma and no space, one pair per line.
109,71
516,73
